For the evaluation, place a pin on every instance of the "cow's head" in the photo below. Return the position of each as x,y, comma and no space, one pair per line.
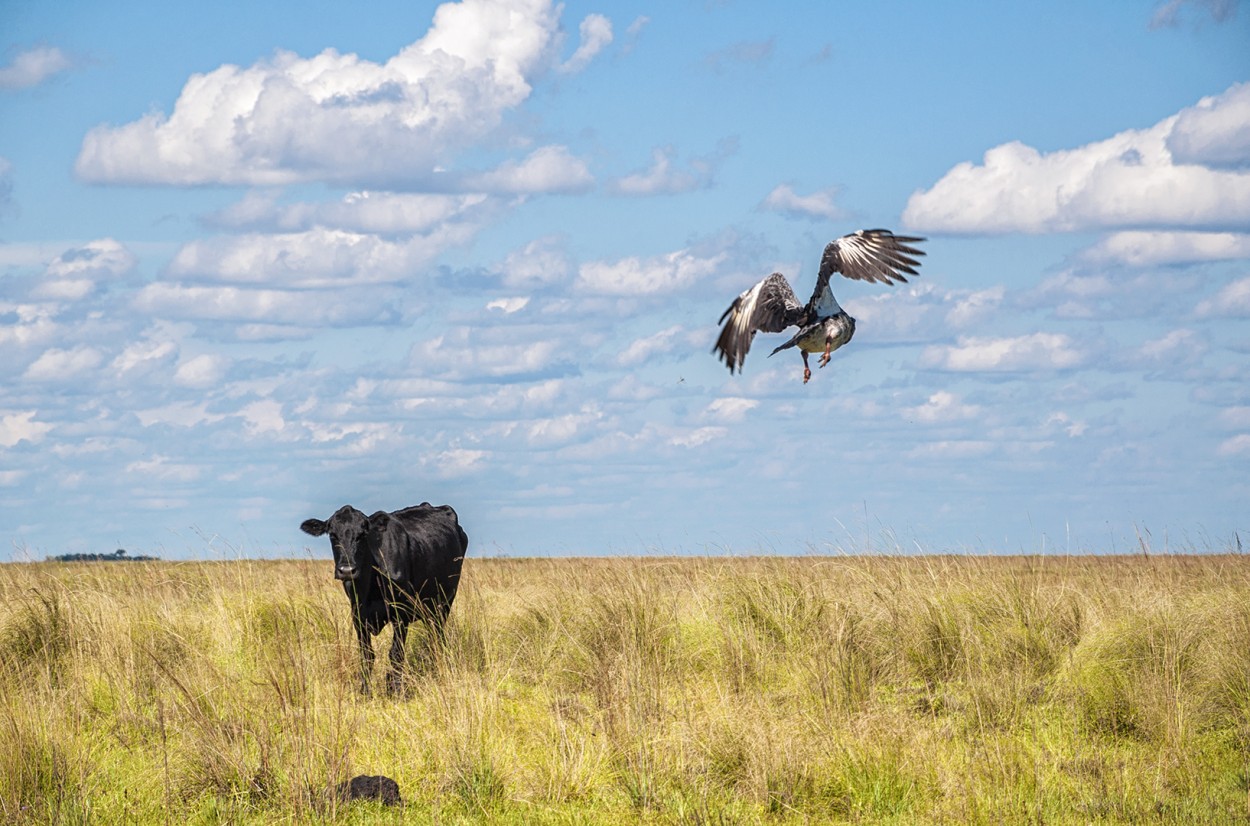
347,528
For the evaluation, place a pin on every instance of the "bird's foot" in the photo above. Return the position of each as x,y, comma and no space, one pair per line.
807,374
824,359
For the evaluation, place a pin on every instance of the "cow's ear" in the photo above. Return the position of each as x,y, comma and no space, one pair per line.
379,521
314,527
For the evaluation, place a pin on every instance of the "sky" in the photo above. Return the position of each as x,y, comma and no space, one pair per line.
258,261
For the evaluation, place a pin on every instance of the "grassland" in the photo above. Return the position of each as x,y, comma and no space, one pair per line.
700,691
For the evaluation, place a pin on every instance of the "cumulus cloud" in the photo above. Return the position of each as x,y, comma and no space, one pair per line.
267,307
1176,348
1144,249
1232,301
337,117
1238,445
546,169
144,356
34,66
201,371
388,213
657,275
1215,131
730,408
644,349
539,263
1036,351
943,406
74,273
919,311
58,364
1132,180
1110,295
488,354
31,324
665,177
20,426
1168,14
819,205
313,258
596,34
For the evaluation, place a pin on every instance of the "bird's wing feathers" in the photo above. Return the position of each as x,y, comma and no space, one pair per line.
869,255
770,306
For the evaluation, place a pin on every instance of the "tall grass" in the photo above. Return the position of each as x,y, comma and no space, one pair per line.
708,691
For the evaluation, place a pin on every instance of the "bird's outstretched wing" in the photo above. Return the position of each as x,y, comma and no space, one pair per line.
868,255
770,306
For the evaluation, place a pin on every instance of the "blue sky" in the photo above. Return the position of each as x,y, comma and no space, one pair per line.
257,262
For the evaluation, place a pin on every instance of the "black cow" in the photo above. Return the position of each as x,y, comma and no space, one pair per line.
395,567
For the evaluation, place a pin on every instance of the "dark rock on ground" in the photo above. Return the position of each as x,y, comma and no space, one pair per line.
371,787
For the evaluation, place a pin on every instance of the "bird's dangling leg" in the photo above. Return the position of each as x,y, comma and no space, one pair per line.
824,359
807,371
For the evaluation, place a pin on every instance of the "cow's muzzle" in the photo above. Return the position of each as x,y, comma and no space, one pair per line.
346,574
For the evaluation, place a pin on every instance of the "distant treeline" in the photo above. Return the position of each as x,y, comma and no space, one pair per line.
117,556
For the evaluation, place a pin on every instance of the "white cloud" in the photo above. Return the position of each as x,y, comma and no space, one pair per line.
664,177
74,273
644,349
161,468
357,212
143,356
201,371
974,306
919,311
646,276
546,169
21,426
1215,131
266,308
1232,301
1144,249
944,406
263,416
314,258
509,305
730,408
1168,13
539,263
820,205
596,34
32,325
1236,417
57,364
182,414
1036,351
1238,445
560,430
1129,180
1177,347
34,66
465,353
698,436
337,117
455,462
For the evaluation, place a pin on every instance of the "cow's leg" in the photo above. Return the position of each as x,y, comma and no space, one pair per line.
366,653
395,678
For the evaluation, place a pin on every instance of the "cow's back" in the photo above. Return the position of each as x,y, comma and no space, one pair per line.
429,545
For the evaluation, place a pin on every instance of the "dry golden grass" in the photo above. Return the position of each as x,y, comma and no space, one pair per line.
711,690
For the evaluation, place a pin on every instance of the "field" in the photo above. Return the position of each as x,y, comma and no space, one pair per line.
1043,689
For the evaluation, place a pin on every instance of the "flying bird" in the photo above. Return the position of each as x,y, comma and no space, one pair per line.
771,306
